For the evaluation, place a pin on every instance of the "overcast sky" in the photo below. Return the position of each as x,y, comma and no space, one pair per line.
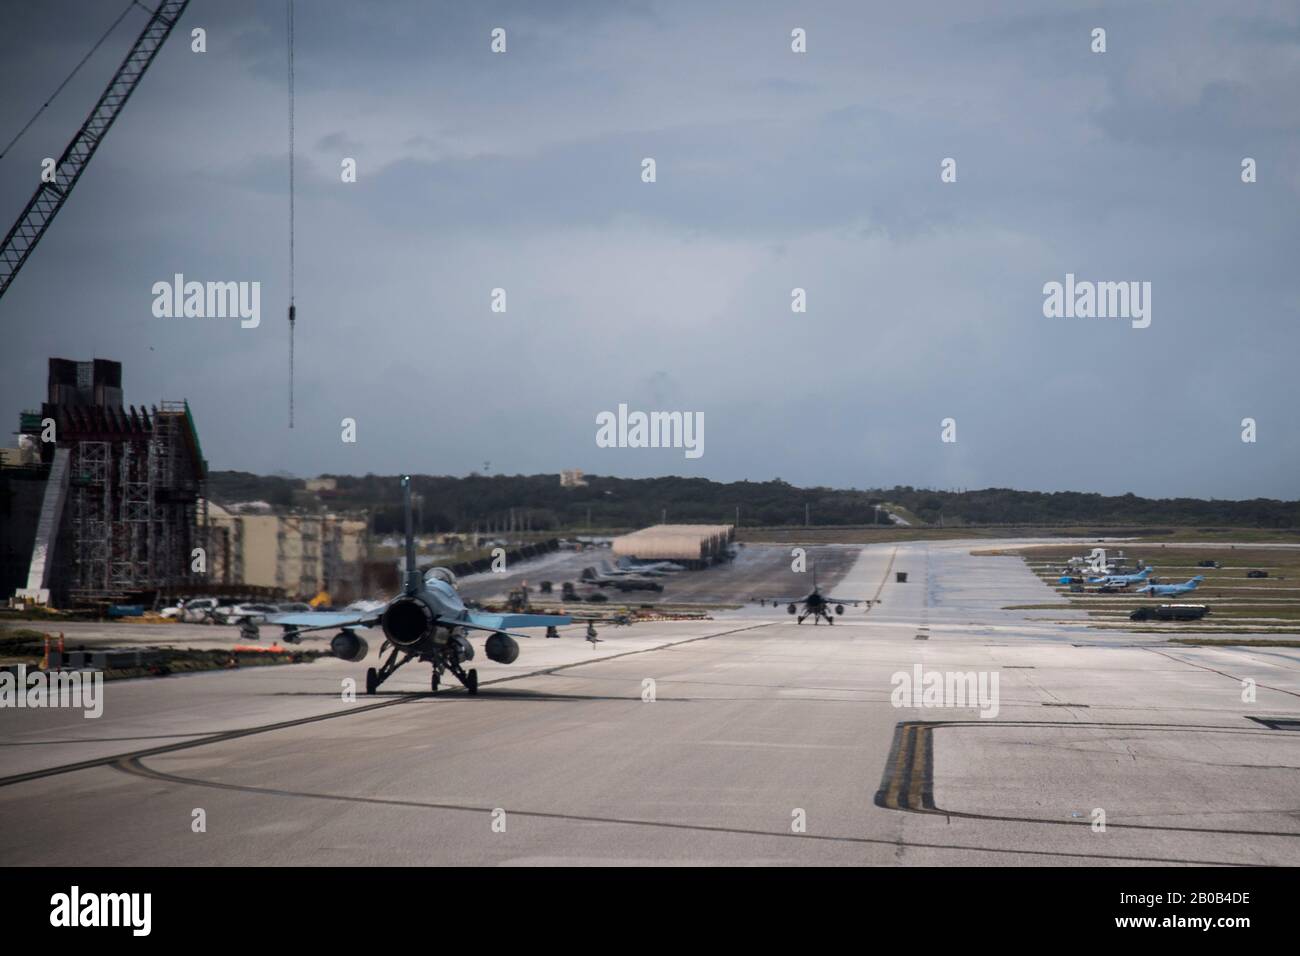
775,170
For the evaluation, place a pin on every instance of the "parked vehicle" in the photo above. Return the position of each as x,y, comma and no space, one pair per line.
1256,574
1171,612
198,610
233,614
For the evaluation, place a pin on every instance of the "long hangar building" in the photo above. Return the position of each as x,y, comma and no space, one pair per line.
695,545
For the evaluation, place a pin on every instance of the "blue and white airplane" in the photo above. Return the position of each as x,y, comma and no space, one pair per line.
1170,590
1122,580
428,620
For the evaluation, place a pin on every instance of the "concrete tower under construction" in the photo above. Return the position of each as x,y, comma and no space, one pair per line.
101,502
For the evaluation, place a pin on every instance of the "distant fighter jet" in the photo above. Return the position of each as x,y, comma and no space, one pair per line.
816,604
1119,580
428,620
623,581
648,567
633,571
1171,590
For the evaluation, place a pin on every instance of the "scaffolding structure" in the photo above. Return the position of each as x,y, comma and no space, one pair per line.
120,514
135,508
92,509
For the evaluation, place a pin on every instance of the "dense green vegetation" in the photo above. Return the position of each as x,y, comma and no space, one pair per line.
541,504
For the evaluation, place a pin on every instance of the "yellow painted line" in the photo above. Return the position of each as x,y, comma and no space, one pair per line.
900,761
908,780
916,784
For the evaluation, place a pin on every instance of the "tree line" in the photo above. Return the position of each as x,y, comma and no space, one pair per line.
539,503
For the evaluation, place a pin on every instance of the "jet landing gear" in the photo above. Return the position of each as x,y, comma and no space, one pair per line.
448,660
375,677
467,677
816,616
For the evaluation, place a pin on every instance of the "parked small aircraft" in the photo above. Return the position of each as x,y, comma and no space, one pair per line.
1122,580
1171,590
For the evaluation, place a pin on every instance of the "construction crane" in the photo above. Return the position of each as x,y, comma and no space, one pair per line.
51,196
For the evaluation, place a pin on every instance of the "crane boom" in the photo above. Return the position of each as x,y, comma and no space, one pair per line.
50,196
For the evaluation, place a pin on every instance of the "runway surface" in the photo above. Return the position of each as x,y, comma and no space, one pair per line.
757,571
695,743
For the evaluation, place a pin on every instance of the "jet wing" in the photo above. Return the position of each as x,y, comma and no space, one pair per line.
323,620
840,600
501,622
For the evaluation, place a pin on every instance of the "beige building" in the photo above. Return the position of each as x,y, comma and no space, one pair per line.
302,553
695,544
572,478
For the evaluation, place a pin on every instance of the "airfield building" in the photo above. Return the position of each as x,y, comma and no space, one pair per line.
299,555
696,545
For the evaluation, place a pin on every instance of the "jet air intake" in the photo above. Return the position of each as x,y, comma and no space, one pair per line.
407,621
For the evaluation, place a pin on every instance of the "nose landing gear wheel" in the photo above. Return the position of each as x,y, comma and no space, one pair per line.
471,682
433,683
372,680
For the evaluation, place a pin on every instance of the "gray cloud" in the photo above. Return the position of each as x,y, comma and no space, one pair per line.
775,171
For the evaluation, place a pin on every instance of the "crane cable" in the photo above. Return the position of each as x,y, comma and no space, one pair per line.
292,309
68,79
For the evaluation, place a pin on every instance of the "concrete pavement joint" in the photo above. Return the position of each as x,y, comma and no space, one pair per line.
908,780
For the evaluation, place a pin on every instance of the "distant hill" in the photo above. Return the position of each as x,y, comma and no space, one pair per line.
539,503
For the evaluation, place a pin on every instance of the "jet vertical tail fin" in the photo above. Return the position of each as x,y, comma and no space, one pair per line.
412,583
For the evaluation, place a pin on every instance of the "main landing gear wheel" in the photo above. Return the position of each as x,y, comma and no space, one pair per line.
372,680
471,681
